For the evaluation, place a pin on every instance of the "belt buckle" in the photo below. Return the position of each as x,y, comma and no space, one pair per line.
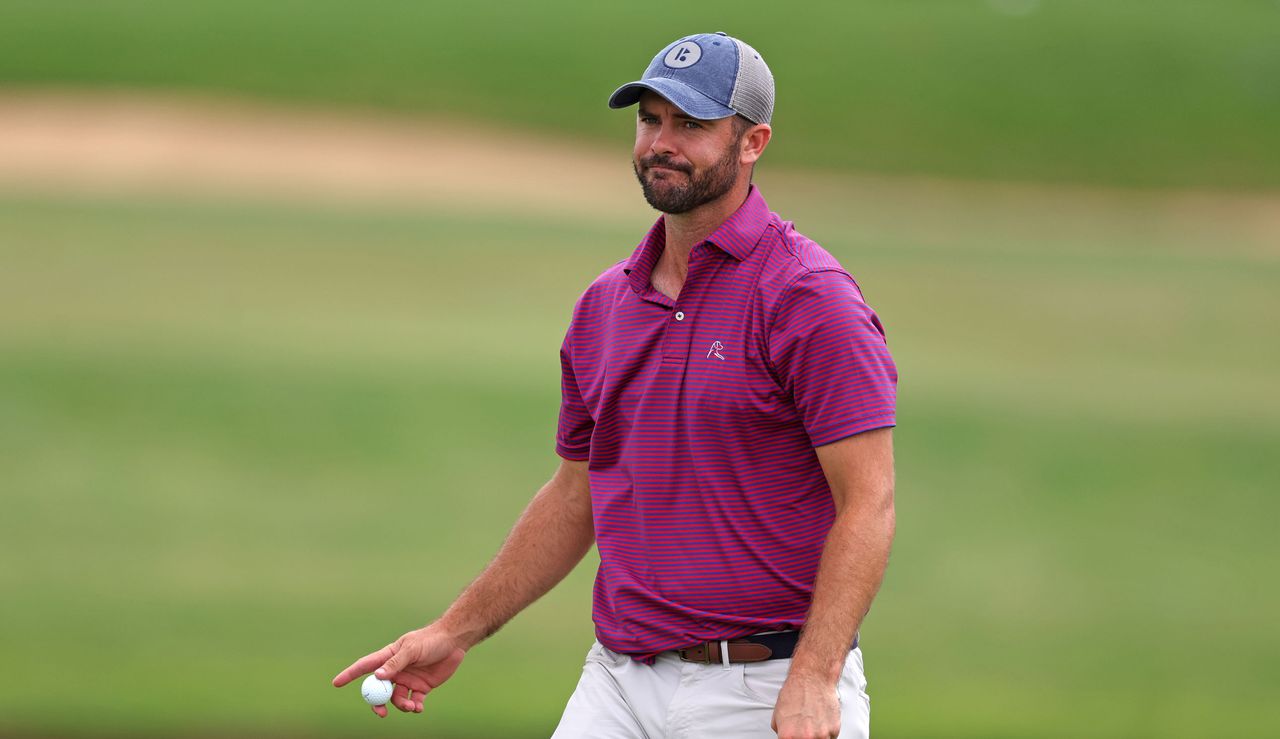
706,654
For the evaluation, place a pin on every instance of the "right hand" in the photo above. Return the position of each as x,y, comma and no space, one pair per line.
418,662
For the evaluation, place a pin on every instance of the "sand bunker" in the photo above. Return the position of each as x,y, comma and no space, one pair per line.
135,144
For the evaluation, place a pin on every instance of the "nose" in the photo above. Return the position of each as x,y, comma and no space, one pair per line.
663,140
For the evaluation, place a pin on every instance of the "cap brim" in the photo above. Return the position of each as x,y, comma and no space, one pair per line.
692,102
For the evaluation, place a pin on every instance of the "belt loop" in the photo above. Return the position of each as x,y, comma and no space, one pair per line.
724,653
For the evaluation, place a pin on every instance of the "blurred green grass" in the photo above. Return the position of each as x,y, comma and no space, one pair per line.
1170,93
244,444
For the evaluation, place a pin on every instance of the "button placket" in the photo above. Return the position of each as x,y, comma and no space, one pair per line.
680,330
675,345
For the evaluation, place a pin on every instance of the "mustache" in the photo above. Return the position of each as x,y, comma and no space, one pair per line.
665,161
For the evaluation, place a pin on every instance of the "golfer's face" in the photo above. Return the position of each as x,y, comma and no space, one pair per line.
671,147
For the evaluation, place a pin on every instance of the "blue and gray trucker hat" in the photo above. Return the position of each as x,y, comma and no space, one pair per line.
708,76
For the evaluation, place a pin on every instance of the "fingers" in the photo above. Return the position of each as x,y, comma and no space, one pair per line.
364,666
416,694
403,655
417,663
400,698
413,681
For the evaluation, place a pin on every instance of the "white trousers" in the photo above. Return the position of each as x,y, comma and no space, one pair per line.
619,698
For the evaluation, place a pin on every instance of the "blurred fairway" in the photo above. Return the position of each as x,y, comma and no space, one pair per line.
1170,93
241,445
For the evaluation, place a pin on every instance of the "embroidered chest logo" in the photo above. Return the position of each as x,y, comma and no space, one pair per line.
714,351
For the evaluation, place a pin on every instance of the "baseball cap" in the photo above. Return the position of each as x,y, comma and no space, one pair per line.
708,76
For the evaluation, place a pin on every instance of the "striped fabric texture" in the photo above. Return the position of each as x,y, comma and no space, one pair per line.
699,418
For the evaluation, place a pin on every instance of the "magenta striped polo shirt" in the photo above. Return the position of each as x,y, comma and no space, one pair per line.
699,417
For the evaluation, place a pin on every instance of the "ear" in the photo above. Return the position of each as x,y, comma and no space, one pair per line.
754,142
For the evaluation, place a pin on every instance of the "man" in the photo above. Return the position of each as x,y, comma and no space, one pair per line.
725,440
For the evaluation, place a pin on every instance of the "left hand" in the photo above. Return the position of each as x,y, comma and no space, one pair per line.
807,708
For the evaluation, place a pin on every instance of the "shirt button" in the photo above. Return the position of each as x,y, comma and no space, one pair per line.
679,315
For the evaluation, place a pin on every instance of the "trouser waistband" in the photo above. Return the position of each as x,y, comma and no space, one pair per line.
753,648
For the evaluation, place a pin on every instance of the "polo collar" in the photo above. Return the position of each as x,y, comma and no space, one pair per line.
737,237
740,233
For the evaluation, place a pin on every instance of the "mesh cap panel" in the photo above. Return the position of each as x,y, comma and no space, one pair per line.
753,94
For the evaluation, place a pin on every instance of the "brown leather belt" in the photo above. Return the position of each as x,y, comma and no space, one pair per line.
754,648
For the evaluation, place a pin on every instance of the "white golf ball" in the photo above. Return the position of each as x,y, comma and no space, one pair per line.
376,692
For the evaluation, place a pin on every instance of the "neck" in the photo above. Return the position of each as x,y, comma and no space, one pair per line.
685,230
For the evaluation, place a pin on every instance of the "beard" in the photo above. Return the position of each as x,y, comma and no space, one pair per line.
701,187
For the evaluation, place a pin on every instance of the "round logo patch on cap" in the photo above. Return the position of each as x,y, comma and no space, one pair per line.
683,54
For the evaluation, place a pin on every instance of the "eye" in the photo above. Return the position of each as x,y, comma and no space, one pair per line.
692,124
648,119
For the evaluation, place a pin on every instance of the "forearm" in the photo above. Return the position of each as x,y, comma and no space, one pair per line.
548,540
852,567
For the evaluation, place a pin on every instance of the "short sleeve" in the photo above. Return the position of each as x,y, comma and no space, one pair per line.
573,432
828,350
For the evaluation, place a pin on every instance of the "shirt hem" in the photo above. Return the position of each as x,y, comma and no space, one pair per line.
573,455
871,424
